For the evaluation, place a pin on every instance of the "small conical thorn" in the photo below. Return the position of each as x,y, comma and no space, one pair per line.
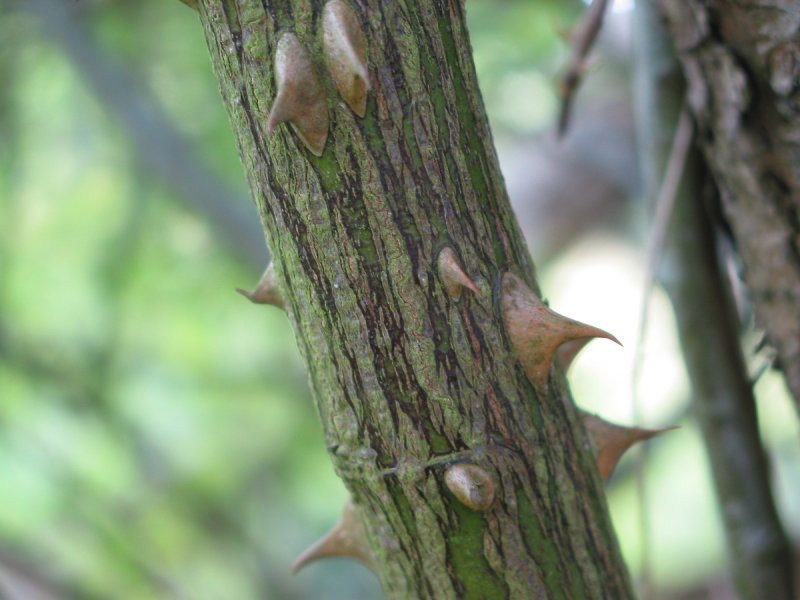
266,291
190,3
452,275
535,331
610,441
300,100
471,485
346,539
345,54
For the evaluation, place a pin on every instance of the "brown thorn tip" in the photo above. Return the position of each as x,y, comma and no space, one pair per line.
345,54
300,99
535,331
452,275
267,290
610,441
346,539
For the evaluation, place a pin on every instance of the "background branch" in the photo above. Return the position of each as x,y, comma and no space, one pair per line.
159,146
708,330
583,38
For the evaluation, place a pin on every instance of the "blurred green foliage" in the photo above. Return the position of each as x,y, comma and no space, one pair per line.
157,436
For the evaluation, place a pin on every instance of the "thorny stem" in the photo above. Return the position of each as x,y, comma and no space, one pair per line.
402,372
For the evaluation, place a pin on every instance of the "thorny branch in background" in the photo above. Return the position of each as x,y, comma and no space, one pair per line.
582,38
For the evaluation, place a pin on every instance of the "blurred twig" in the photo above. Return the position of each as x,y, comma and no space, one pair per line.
708,329
582,38
159,146
664,205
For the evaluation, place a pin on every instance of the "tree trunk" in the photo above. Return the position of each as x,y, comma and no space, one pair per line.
407,379
742,66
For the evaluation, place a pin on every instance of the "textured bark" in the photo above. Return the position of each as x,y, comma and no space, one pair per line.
742,64
408,380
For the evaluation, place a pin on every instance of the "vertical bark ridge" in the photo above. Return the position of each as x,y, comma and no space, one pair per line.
406,379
